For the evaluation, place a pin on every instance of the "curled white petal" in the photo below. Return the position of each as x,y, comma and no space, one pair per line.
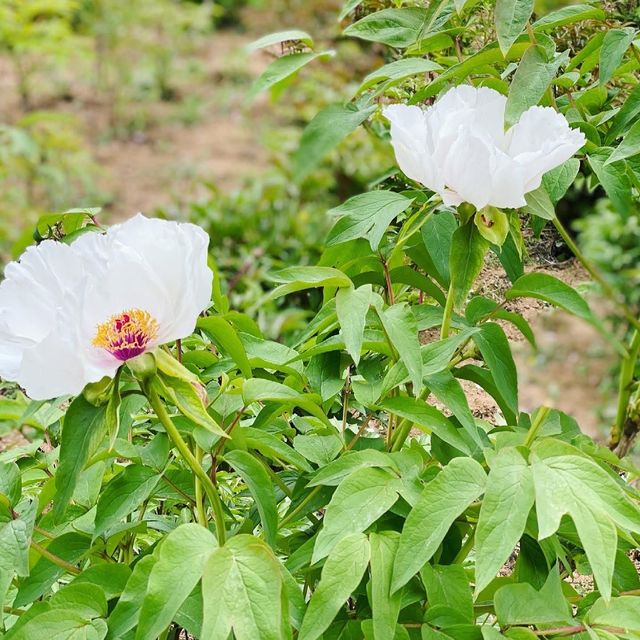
458,147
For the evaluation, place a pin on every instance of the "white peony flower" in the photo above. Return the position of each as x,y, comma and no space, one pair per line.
72,314
458,147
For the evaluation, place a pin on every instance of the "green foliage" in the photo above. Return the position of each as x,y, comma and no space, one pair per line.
336,484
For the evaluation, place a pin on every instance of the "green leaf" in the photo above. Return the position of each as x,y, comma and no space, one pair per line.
320,450
10,482
360,499
442,501
352,306
522,604
401,328
125,614
284,67
495,349
299,278
427,418
619,612
256,477
568,15
242,591
180,561
511,19
448,585
492,224
60,623
88,600
614,46
613,179
539,204
437,234
397,71
327,128
340,576
123,494
507,502
397,28
630,145
466,260
385,606
530,81
557,293
281,36
557,181
14,554
333,473
627,115
366,216
71,547
263,390
568,482
450,393
83,429
348,7
226,337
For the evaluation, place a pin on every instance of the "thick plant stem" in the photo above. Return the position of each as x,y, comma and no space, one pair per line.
625,383
185,452
592,270
448,313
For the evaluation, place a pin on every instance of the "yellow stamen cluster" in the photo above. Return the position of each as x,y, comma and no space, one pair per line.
126,335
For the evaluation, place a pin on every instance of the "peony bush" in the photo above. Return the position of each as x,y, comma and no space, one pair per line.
189,477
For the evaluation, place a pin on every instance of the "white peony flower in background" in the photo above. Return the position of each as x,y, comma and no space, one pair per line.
72,314
458,147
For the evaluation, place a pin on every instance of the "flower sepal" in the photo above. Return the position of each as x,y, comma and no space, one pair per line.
143,367
189,398
98,393
493,225
170,366
465,212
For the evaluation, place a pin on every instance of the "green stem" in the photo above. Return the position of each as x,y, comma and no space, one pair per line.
200,509
63,564
448,313
592,270
625,382
172,431
541,415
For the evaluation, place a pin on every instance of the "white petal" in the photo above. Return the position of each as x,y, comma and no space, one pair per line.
480,108
153,265
410,143
541,141
467,169
508,179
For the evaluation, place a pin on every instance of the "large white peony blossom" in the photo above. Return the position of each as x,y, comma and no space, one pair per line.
458,147
72,314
